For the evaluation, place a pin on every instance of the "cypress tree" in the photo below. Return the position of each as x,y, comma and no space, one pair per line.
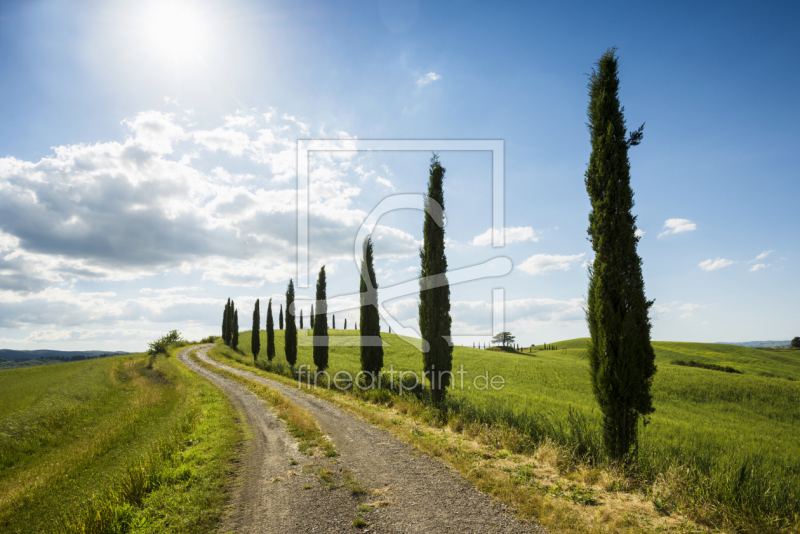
235,336
291,330
345,324
370,320
321,324
434,302
621,358
333,322
311,317
301,319
225,322
231,317
270,333
255,339
280,317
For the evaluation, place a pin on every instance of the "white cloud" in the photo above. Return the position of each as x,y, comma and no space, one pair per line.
713,265
677,226
757,267
386,183
657,311
154,131
226,139
513,235
540,263
122,210
428,78
394,243
761,256
639,232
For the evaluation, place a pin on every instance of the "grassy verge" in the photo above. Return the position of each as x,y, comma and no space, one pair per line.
300,422
734,437
109,445
669,495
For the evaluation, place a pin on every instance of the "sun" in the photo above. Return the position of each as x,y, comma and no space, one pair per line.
175,28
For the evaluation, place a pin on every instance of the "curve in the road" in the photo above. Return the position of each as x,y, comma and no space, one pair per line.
427,496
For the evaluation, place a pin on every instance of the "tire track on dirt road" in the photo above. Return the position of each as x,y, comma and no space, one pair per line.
426,495
269,495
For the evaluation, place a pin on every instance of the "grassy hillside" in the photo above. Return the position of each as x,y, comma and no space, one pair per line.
76,440
739,435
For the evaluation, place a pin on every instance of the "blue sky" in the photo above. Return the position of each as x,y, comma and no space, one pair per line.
148,159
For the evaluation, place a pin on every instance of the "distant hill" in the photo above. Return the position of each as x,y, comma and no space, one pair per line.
758,344
10,354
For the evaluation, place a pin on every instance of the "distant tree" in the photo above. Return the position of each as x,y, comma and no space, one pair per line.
505,338
270,333
290,338
301,319
434,302
369,319
796,343
621,358
345,324
333,321
311,317
280,317
255,338
235,337
321,323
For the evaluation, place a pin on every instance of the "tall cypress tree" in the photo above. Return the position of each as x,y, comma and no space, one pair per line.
225,338
255,338
235,336
231,317
621,359
345,324
321,324
370,320
270,333
311,317
280,317
301,319
333,321
434,302
290,338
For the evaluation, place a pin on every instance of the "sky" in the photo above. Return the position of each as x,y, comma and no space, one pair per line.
148,161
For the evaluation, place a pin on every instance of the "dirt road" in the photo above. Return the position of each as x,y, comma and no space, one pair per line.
426,495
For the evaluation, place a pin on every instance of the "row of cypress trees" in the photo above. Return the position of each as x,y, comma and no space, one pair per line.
230,325
621,358
434,309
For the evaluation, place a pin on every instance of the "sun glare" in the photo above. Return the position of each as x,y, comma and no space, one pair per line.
175,28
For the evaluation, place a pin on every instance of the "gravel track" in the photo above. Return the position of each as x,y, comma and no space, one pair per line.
269,495
426,495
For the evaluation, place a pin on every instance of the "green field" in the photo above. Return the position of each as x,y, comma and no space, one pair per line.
736,436
142,449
